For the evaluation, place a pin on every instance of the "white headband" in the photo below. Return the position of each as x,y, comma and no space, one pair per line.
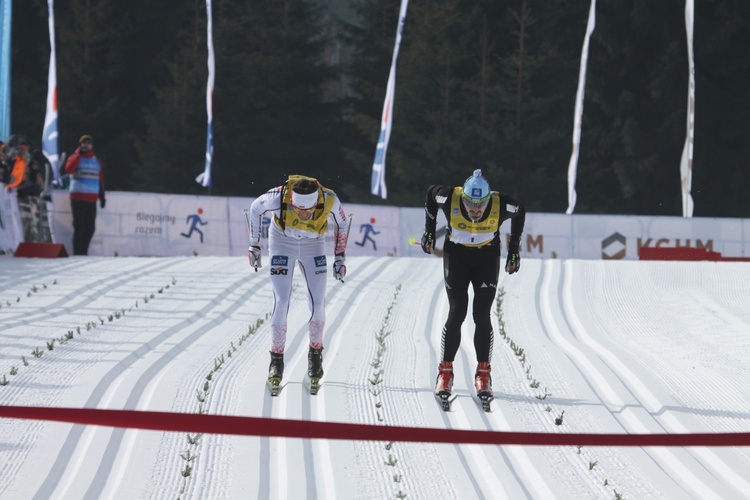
305,201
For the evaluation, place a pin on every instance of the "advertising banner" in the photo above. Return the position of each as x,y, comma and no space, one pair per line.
152,224
149,224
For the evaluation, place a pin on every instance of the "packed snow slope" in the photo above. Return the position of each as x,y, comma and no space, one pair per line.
594,346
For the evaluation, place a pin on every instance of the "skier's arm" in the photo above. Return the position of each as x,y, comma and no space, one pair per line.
341,227
516,212
73,160
436,197
267,202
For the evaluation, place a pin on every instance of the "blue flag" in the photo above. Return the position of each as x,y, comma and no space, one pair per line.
377,186
49,134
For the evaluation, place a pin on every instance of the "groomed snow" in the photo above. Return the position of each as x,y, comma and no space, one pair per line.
611,346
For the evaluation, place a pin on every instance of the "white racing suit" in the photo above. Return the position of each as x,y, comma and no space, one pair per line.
289,243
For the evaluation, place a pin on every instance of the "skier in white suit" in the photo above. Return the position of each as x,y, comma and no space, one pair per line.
301,209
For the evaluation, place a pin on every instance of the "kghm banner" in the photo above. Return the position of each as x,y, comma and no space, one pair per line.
378,187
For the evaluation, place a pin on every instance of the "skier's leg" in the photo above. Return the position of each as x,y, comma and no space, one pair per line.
456,287
314,267
484,279
282,271
484,282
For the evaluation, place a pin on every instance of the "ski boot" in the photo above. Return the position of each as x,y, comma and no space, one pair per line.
483,385
275,373
314,369
444,384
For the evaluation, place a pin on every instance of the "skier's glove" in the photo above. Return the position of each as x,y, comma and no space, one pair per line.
102,202
253,254
513,262
339,268
428,242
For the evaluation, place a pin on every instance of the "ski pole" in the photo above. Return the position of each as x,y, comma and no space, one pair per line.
247,219
348,229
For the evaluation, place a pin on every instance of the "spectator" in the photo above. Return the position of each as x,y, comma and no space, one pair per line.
33,180
18,157
86,188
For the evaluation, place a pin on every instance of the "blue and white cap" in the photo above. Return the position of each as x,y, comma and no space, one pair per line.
476,190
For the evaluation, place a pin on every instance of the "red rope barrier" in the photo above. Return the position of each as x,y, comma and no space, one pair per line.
273,427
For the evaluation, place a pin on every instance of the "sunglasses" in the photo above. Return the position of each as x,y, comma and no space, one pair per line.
302,210
475,204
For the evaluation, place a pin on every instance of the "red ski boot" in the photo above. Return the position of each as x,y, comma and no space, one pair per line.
444,384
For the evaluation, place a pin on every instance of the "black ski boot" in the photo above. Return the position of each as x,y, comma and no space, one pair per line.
314,368
275,373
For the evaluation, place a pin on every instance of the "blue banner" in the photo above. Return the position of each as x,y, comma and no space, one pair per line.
377,186
49,134
5,17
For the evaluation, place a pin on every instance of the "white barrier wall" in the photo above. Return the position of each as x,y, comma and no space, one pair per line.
150,224
11,230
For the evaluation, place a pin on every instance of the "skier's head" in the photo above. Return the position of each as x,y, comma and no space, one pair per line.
476,195
305,197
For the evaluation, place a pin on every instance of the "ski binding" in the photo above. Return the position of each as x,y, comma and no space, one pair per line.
485,399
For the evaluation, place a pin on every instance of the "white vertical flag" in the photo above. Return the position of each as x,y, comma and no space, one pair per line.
50,134
686,165
573,165
204,179
377,186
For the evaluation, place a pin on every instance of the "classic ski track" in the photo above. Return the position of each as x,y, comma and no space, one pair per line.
653,419
211,472
278,476
693,386
622,380
75,461
25,389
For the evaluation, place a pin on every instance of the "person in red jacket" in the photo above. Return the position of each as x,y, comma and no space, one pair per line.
86,188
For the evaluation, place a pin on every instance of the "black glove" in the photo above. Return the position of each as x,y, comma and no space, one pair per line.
102,202
428,242
513,262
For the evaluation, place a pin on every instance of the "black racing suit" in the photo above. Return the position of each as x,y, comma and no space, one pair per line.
479,266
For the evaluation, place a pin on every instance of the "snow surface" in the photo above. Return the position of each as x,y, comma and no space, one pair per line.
612,346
